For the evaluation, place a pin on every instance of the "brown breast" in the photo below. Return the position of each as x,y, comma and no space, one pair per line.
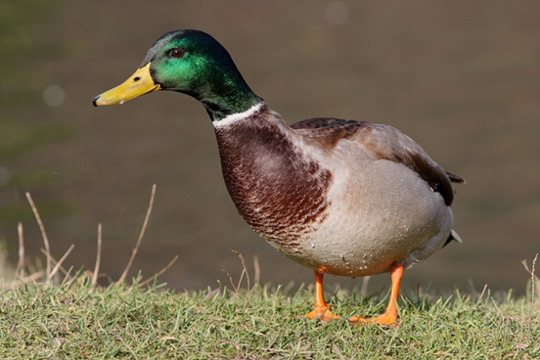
279,193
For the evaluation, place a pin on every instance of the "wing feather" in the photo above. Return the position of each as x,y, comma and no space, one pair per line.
387,143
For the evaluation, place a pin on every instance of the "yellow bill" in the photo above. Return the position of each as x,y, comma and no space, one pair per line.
138,84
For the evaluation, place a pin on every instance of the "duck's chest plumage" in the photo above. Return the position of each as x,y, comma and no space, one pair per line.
336,208
281,194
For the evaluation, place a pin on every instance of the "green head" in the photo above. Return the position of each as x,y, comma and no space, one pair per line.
191,62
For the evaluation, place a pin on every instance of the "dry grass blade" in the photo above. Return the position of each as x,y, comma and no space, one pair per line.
59,264
244,271
19,272
482,294
98,257
43,233
231,280
161,271
17,297
141,235
53,260
534,277
30,278
338,352
257,268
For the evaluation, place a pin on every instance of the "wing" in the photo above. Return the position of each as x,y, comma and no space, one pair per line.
385,142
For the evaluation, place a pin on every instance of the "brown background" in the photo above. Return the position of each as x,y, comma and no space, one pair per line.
462,78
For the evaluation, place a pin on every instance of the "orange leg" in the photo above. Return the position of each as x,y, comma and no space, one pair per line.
322,309
390,316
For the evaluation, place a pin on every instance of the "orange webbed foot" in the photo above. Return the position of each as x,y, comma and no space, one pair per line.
322,313
322,309
390,315
385,319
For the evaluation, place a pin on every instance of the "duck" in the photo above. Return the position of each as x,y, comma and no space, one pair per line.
341,197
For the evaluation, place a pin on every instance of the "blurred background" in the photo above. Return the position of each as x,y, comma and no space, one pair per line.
462,78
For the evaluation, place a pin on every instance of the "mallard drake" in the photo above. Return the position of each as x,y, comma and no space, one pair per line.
342,197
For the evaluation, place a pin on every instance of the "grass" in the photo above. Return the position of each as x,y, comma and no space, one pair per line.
53,314
76,320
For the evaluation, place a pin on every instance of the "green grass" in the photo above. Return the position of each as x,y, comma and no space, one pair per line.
74,320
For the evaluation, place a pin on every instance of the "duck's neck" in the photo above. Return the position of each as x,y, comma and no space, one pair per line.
247,115
219,111
228,96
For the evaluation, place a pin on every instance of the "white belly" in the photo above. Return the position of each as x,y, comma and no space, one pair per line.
380,213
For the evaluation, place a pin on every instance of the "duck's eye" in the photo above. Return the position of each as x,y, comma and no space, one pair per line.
177,53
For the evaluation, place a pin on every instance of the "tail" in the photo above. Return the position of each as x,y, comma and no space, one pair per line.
455,178
453,236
